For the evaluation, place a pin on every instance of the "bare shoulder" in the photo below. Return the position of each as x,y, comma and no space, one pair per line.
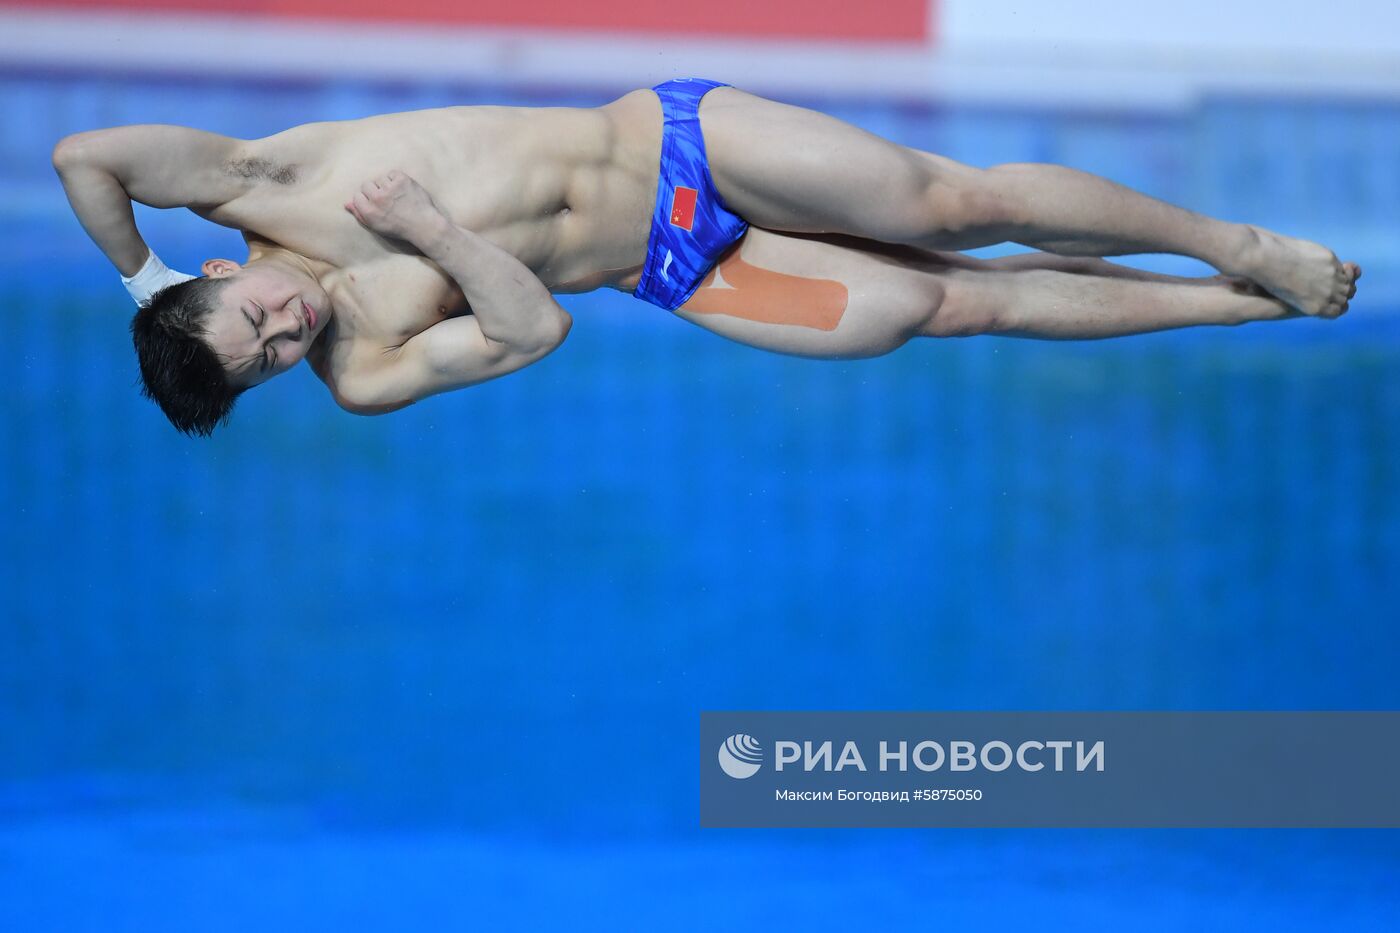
452,354
360,377
360,397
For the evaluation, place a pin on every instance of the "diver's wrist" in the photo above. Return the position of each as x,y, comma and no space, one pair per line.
434,232
152,277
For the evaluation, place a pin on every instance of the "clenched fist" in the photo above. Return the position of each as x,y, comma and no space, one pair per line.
394,205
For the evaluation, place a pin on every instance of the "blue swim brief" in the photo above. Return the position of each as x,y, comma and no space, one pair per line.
690,226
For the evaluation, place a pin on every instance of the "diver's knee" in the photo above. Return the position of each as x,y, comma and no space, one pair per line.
965,200
964,313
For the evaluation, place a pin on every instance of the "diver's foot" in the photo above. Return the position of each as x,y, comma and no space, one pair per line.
1302,274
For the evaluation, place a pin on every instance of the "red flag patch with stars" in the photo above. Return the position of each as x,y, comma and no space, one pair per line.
683,207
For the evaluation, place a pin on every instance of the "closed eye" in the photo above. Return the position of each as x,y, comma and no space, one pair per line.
268,358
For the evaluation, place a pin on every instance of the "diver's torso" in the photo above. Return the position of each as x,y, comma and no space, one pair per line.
567,191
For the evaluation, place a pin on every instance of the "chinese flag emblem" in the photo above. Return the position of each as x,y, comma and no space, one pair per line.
683,208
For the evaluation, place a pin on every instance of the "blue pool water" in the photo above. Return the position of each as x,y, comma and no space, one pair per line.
445,668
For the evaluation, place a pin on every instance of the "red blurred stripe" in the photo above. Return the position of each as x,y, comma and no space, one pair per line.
799,19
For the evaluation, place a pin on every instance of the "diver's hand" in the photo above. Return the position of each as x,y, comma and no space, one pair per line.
395,205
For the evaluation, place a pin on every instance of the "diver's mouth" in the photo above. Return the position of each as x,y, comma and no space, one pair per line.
310,313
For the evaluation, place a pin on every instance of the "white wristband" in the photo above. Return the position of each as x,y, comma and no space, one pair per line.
151,278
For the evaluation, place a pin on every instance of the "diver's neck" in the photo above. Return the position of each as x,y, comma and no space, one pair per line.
260,250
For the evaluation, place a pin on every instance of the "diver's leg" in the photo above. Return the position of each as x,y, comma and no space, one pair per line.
841,297
1072,213
789,168
1083,265
1058,305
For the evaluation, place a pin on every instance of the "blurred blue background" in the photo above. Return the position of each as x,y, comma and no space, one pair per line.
444,668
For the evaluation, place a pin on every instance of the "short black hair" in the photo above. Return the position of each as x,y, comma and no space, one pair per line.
180,371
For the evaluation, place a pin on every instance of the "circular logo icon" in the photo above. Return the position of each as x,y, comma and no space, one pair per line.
740,756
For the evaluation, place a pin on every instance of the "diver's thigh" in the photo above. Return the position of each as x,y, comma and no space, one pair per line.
789,168
807,295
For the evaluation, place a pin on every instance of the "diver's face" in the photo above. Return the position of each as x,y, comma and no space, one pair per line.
269,313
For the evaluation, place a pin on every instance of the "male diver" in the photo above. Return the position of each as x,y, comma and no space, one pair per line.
408,254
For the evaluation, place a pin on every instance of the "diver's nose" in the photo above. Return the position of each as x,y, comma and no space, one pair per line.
291,325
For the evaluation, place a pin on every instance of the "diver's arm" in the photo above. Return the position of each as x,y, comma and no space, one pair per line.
513,306
452,354
104,210
103,171
515,321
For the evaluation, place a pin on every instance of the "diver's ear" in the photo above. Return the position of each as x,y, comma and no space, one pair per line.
218,268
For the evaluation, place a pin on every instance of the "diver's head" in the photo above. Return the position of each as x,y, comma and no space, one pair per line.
204,342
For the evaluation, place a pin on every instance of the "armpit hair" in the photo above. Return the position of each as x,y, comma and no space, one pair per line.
262,169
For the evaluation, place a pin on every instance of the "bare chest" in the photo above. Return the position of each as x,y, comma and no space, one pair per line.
558,188
566,191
